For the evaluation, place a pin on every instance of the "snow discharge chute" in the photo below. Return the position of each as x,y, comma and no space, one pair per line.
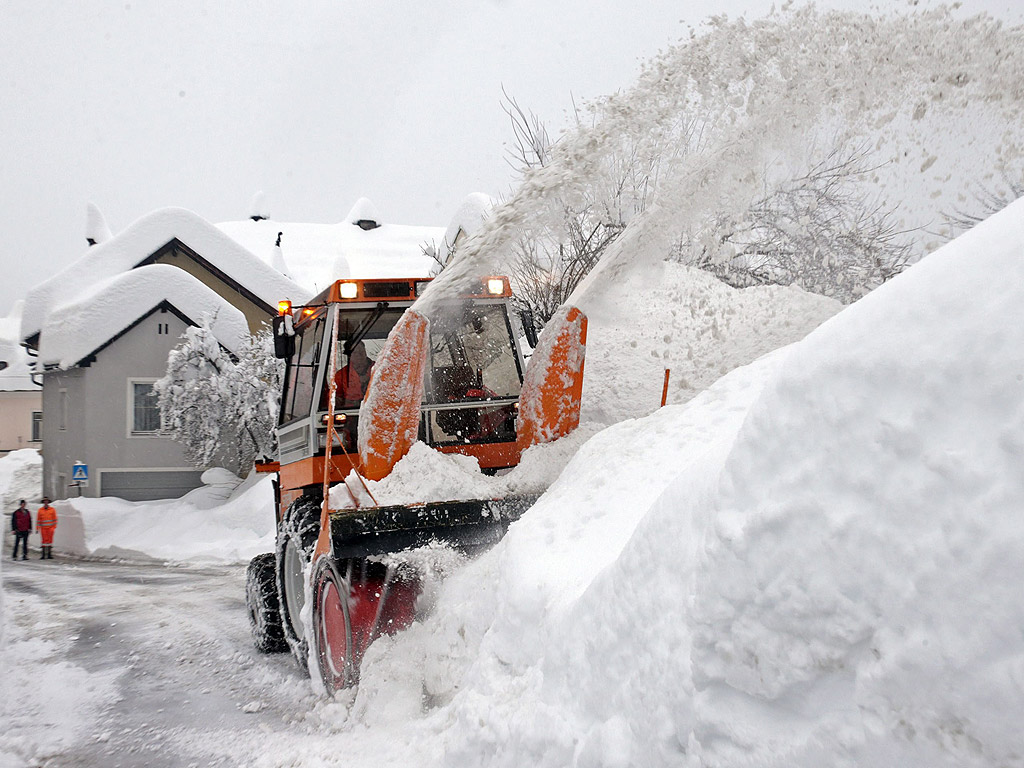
549,406
390,414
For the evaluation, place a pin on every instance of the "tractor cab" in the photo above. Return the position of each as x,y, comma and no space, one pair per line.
472,379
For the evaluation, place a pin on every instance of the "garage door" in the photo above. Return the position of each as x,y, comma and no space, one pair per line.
147,485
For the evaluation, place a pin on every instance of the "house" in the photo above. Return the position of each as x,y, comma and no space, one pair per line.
21,413
102,329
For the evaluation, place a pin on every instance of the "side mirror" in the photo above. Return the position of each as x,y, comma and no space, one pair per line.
284,337
529,329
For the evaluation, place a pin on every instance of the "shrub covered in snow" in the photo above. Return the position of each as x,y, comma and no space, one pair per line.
221,407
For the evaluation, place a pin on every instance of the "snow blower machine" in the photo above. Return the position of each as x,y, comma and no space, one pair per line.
367,375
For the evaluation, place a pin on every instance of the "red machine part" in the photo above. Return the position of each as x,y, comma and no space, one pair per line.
353,609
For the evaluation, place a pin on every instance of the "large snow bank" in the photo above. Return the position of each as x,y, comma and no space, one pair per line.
137,243
211,524
858,596
815,562
79,327
312,250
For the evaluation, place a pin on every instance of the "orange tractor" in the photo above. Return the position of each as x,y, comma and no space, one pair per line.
367,375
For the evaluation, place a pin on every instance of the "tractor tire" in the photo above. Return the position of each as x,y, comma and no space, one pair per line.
333,642
264,607
296,538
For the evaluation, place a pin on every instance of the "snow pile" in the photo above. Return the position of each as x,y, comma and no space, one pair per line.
96,229
425,474
815,562
79,327
319,254
139,242
467,220
685,320
858,594
21,477
215,523
15,376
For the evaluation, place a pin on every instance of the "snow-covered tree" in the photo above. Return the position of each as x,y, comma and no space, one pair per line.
549,263
221,407
818,230
987,200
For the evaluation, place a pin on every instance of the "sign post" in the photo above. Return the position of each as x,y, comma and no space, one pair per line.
80,475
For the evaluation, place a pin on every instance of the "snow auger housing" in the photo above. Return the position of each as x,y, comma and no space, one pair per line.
366,377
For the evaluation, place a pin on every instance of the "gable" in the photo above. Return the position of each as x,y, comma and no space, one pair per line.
176,254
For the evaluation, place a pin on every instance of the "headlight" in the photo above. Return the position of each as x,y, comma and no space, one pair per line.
348,290
339,419
495,286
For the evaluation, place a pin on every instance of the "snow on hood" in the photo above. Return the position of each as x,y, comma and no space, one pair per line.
78,328
814,562
314,252
139,241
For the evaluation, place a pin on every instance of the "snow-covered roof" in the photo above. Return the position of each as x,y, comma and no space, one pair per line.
15,376
141,240
74,330
318,254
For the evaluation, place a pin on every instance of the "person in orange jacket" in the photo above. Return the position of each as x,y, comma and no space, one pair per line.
46,524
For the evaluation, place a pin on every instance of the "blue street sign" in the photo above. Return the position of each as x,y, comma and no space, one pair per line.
79,471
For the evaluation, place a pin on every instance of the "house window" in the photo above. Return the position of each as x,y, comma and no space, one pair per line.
144,411
37,426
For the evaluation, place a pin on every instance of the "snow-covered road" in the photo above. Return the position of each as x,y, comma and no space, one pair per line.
146,665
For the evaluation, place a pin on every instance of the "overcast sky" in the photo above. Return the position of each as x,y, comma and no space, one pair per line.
137,105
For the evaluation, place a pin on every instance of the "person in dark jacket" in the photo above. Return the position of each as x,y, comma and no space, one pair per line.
21,524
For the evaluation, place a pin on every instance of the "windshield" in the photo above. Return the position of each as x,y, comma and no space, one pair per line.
472,356
361,333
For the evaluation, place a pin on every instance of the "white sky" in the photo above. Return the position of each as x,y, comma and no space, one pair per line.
138,105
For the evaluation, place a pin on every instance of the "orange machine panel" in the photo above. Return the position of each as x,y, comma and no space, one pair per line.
390,414
549,405
490,455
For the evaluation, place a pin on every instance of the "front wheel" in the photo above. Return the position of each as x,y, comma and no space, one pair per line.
332,628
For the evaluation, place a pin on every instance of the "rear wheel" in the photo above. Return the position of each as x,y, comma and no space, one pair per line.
264,607
295,541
